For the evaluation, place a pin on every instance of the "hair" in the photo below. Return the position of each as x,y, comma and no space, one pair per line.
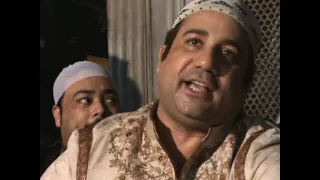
172,34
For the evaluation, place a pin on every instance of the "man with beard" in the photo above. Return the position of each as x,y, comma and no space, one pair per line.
195,130
84,94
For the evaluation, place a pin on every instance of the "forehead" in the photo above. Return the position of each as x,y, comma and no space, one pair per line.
97,83
215,23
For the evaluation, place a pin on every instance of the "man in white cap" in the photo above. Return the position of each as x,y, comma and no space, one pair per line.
84,94
195,130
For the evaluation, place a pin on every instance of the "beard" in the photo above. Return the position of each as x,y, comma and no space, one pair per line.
192,108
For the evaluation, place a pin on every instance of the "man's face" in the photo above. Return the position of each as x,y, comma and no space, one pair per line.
86,102
201,82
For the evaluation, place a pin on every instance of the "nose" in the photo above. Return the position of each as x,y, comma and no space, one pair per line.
213,62
206,60
101,110
97,109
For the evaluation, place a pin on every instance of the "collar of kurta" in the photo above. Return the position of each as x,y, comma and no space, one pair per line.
214,137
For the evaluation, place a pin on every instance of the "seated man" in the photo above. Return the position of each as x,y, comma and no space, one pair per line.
84,94
195,130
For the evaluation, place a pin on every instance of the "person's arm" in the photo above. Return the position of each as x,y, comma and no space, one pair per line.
64,167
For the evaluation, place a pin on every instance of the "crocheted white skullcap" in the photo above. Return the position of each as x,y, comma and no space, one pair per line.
73,73
236,9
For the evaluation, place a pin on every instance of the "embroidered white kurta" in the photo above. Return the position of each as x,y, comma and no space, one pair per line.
126,147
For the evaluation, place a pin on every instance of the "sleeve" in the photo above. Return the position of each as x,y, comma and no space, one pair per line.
263,158
64,167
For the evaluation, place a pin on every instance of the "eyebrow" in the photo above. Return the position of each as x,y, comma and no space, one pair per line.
90,92
200,32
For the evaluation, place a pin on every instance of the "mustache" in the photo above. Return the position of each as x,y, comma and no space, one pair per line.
199,73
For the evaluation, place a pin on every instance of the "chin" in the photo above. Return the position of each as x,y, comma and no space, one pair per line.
194,111
204,113
194,122
193,108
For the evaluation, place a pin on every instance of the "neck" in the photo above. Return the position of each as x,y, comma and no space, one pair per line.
176,137
186,128
180,141
179,130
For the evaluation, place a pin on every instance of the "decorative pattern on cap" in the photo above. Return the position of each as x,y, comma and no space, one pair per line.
73,73
236,9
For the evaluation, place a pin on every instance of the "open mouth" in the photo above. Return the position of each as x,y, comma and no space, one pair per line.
197,86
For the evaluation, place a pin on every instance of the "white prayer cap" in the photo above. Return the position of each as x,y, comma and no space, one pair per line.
236,9
73,73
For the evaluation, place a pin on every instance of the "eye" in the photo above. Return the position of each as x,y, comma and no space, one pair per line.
194,42
85,101
111,100
228,53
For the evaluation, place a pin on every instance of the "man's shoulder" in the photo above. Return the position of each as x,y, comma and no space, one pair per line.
262,130
259,135
113,118
260,149
259,125
119,120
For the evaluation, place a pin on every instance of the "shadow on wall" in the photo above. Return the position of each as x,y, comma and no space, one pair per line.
130,97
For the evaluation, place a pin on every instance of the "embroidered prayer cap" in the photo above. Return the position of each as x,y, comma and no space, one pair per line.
236,9
73,73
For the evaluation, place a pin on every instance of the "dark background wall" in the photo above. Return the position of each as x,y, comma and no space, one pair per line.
71,29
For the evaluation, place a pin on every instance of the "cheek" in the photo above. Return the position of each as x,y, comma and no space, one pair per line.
76,118
171,68
174,64
232,84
